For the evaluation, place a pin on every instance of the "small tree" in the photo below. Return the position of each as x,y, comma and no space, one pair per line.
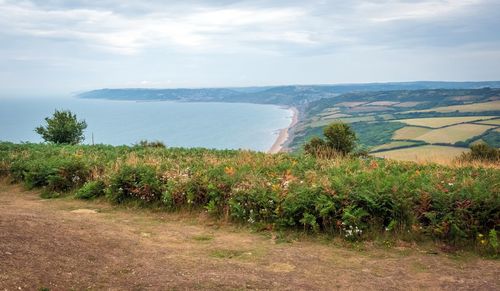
62,128
340,139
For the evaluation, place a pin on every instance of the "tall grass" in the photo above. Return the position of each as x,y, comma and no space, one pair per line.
352,197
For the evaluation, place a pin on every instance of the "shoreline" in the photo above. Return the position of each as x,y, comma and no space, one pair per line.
284,133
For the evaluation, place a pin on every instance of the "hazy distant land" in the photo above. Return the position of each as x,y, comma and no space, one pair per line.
387,117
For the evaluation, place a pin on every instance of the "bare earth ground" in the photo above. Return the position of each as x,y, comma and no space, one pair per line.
47,244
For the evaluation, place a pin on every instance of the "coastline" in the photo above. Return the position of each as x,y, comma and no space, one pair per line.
284,133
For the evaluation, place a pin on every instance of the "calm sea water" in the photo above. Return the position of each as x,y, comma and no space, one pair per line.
210,125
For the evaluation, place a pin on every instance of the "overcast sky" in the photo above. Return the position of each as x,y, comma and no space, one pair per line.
59,47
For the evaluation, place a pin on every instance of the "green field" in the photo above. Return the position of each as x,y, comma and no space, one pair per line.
334,116
407,104
350,104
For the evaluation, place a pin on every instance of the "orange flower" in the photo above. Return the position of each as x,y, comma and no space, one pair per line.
229,170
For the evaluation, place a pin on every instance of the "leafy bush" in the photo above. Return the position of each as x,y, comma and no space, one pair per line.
91,190
55,174
62,128
150,144
139,182
356,198
482,152
339,138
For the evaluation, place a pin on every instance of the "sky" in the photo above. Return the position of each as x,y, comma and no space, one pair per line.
65,47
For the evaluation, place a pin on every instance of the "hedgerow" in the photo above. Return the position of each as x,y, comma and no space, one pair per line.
355,198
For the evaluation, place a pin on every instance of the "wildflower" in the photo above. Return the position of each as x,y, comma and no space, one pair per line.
450,184
229,170
483,241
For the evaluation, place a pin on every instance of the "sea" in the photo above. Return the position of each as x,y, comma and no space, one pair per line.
177,124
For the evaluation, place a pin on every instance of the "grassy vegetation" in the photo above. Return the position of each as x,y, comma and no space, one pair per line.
368,134
372,134
350,197
492,138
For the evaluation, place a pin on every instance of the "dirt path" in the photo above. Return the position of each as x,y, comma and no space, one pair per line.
47,244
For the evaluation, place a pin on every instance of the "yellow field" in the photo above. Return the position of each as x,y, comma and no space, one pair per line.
436,122
393,144
409,132
476,107
453,133
427,153
382,103
490,122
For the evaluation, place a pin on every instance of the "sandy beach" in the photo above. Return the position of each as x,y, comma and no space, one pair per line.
284,133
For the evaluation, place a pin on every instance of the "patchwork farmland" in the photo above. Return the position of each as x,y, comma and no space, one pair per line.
409,125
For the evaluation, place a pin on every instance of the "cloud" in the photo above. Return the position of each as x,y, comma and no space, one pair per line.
86,44
202,28
286,27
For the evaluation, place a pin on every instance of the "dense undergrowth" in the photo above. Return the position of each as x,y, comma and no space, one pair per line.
356,198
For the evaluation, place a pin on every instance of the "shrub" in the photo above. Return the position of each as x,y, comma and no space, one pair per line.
55,174
139,182
339,139
91,190
62,128
70,174
150,144
482,152
348,196
493,238
314,145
